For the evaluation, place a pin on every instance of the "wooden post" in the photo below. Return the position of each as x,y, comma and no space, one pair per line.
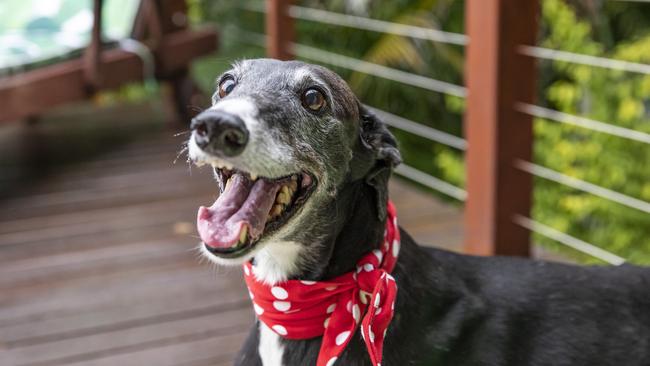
92,54
279,29
498,77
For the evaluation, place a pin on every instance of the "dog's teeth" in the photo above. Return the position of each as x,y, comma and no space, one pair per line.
294,177
283,198
285,190
276,210
242,234
293,185
228,184
253,177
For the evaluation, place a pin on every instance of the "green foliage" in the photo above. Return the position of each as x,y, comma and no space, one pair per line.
608,29
614,97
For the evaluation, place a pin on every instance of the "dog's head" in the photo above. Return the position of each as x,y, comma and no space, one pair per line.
284,139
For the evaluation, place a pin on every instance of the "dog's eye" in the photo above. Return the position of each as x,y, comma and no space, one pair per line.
313,99
226,86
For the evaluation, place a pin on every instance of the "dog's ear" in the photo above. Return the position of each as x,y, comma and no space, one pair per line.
380,142
376,137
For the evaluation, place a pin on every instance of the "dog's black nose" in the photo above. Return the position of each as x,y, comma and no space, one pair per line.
220,132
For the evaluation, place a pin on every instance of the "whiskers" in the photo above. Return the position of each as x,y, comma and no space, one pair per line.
203,257
184,149
199,253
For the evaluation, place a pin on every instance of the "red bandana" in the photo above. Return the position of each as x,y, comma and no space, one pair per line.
298,309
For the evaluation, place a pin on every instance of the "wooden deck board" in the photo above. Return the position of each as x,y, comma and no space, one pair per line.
98,263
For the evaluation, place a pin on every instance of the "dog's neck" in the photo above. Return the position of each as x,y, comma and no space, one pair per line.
357,232
353,230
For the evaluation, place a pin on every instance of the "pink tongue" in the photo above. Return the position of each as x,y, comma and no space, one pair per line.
242,203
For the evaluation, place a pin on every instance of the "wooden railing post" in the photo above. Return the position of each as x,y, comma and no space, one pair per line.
497,77
279,29
92,54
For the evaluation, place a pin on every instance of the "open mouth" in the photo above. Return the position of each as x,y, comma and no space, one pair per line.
248,209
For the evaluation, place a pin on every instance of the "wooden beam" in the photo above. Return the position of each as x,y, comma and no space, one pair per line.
497,77
178,49
36,91
279,29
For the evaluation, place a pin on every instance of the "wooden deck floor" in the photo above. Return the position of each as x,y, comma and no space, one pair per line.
98,266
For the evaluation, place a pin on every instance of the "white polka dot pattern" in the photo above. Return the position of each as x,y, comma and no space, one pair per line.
356,313
342,337
280,330
363,296
395,250
279,293
361,300
378,254
282,305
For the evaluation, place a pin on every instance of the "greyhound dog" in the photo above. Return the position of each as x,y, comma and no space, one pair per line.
303,166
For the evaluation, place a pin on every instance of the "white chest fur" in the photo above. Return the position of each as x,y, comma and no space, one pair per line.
277,261
270,348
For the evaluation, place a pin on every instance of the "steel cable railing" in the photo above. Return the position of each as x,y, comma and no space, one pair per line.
381,71
568,240
579,184
610,129
365,67
577,58
364,23
421,130
432,182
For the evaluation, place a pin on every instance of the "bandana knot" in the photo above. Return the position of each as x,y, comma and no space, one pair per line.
335,308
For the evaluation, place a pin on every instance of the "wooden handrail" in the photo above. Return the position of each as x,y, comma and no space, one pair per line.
67,78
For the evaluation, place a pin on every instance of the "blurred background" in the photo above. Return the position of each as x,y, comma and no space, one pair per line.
97,200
